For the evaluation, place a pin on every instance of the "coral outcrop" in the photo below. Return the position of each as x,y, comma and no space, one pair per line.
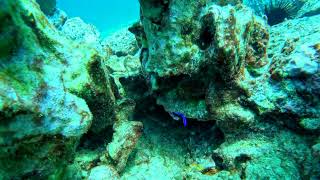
196,56
215,63
292,88
246,84
46,83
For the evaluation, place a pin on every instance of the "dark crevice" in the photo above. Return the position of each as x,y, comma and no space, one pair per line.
207,32
188,87
242,158
286,120
219,162
93,141
166,84
205,130
136,87
239,161
206,37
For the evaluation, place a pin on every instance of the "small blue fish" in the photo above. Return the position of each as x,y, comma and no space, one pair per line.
177,115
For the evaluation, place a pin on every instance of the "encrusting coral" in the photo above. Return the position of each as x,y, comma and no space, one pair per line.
245,94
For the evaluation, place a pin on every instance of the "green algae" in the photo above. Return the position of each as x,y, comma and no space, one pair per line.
75,107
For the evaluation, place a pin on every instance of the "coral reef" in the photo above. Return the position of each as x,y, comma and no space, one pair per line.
207,89
210,63
54,89
40,114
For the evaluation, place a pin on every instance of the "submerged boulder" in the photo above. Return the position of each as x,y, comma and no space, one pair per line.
121,43
124,140
278,155
290,92
43,80
254,87
218,62
195,51
184,36
96,87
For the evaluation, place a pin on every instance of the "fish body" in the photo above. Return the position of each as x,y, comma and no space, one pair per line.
177,115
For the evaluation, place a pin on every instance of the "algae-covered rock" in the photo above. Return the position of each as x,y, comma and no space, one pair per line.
43,79
121,43
196,50
291,89
90,80
256,157
124,67
248,92
58,18
213,61
77,30
194,34
312,124
316,160
124,140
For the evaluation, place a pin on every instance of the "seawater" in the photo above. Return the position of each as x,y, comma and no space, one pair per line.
107,15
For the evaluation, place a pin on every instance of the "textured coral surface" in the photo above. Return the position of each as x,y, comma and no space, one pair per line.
207,89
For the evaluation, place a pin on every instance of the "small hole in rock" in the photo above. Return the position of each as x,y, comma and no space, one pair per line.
218,160
207,32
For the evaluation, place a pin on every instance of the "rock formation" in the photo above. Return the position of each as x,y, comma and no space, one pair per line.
74,106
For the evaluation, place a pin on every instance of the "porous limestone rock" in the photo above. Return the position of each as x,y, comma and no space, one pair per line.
195,48
123,142
316,160
124,67
121,43
216,63
77,30
43,77
103,172
291,91
277,155
205,59
311,124
182,36
58,18
96,85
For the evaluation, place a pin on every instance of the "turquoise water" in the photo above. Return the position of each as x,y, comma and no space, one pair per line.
107,15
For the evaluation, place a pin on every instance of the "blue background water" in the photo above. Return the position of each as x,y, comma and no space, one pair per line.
107,15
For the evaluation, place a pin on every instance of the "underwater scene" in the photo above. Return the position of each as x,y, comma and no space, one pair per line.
159,89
